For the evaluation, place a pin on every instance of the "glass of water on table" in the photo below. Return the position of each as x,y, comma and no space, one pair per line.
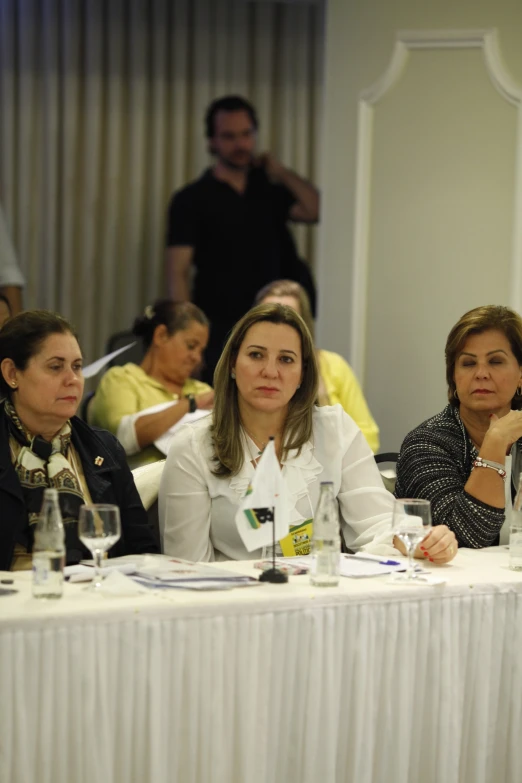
411,524
99,528
515,541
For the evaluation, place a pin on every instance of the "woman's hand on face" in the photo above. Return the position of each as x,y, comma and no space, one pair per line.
205,400
440,545
508,429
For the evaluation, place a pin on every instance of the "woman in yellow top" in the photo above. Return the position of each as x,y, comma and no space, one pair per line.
175,335
337,382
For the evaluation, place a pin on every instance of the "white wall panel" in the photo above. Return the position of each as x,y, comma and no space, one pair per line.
421,213
441,226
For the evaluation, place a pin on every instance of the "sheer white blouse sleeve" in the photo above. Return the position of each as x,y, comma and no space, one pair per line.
365,505
184,499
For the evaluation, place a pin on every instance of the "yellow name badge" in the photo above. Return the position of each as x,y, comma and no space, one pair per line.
299,539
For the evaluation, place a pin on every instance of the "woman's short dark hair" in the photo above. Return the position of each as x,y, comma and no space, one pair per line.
476,321
174,315
228,103
22,336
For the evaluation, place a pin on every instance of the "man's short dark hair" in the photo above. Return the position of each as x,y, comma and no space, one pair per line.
228,103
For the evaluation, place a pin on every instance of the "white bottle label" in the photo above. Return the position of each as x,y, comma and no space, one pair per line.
41,568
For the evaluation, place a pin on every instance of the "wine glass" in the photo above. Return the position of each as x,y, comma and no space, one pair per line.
411,524
99,528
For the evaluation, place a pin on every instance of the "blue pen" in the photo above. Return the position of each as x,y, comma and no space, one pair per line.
375,559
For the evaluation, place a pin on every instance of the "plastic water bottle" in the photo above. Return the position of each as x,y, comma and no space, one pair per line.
326,540
49,549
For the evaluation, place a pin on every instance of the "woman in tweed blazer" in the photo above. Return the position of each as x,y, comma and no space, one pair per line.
466,460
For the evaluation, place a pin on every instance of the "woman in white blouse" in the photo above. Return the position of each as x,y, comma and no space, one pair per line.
266,385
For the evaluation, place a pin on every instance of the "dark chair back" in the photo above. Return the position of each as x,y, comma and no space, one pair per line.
119,340
84,406
389,477
387,456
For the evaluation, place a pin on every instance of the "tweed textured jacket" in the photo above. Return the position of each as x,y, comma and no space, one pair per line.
434,463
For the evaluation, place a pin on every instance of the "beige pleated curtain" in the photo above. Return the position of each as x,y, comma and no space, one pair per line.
101,119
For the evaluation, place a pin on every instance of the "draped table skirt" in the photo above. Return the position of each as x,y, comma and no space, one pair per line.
365,683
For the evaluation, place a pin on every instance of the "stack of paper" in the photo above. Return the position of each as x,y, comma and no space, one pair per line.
368,565
164,441
182,574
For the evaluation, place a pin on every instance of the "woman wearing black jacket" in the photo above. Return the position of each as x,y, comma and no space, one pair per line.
43,444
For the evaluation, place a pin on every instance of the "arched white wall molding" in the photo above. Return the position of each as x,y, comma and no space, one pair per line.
487,41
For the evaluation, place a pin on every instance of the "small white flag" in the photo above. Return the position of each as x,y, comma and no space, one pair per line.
264,504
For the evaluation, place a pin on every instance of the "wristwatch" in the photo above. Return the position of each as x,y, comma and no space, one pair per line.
192,403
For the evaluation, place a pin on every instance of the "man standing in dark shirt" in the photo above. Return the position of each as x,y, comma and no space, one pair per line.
231,224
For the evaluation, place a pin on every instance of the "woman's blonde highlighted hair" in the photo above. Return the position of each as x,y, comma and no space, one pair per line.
226,421
294,289
476,321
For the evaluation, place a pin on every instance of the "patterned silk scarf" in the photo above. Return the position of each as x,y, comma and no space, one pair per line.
41,464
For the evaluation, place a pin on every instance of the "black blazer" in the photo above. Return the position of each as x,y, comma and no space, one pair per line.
110,482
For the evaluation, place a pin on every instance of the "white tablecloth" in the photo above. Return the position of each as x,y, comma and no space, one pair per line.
366,683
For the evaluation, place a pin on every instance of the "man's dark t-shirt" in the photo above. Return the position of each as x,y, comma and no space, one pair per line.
241,241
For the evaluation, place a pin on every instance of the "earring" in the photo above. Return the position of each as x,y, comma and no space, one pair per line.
519,390
455,394
14,384
233,375
299,386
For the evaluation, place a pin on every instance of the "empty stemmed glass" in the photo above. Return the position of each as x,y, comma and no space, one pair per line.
411,524
99,528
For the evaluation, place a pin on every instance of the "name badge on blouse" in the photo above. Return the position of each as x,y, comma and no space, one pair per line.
299,539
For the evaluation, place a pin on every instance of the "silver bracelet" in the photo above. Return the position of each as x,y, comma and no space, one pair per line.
480,462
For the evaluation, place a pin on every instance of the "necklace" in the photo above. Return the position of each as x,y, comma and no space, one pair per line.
259,445
254,459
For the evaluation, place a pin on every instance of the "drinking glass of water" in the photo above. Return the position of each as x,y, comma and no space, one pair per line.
99,528
515,541
411,524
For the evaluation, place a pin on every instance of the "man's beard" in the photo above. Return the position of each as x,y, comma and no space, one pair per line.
230,163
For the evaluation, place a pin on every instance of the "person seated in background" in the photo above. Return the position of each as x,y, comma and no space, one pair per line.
11,279
43,444
266,385
467,459
5,309
174,336
337,382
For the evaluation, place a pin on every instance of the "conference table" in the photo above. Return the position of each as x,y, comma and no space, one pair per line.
367,682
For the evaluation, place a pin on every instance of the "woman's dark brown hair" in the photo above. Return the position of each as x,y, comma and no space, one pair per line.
22,336
176,316
476,321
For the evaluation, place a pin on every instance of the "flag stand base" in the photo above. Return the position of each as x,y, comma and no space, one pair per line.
273,575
